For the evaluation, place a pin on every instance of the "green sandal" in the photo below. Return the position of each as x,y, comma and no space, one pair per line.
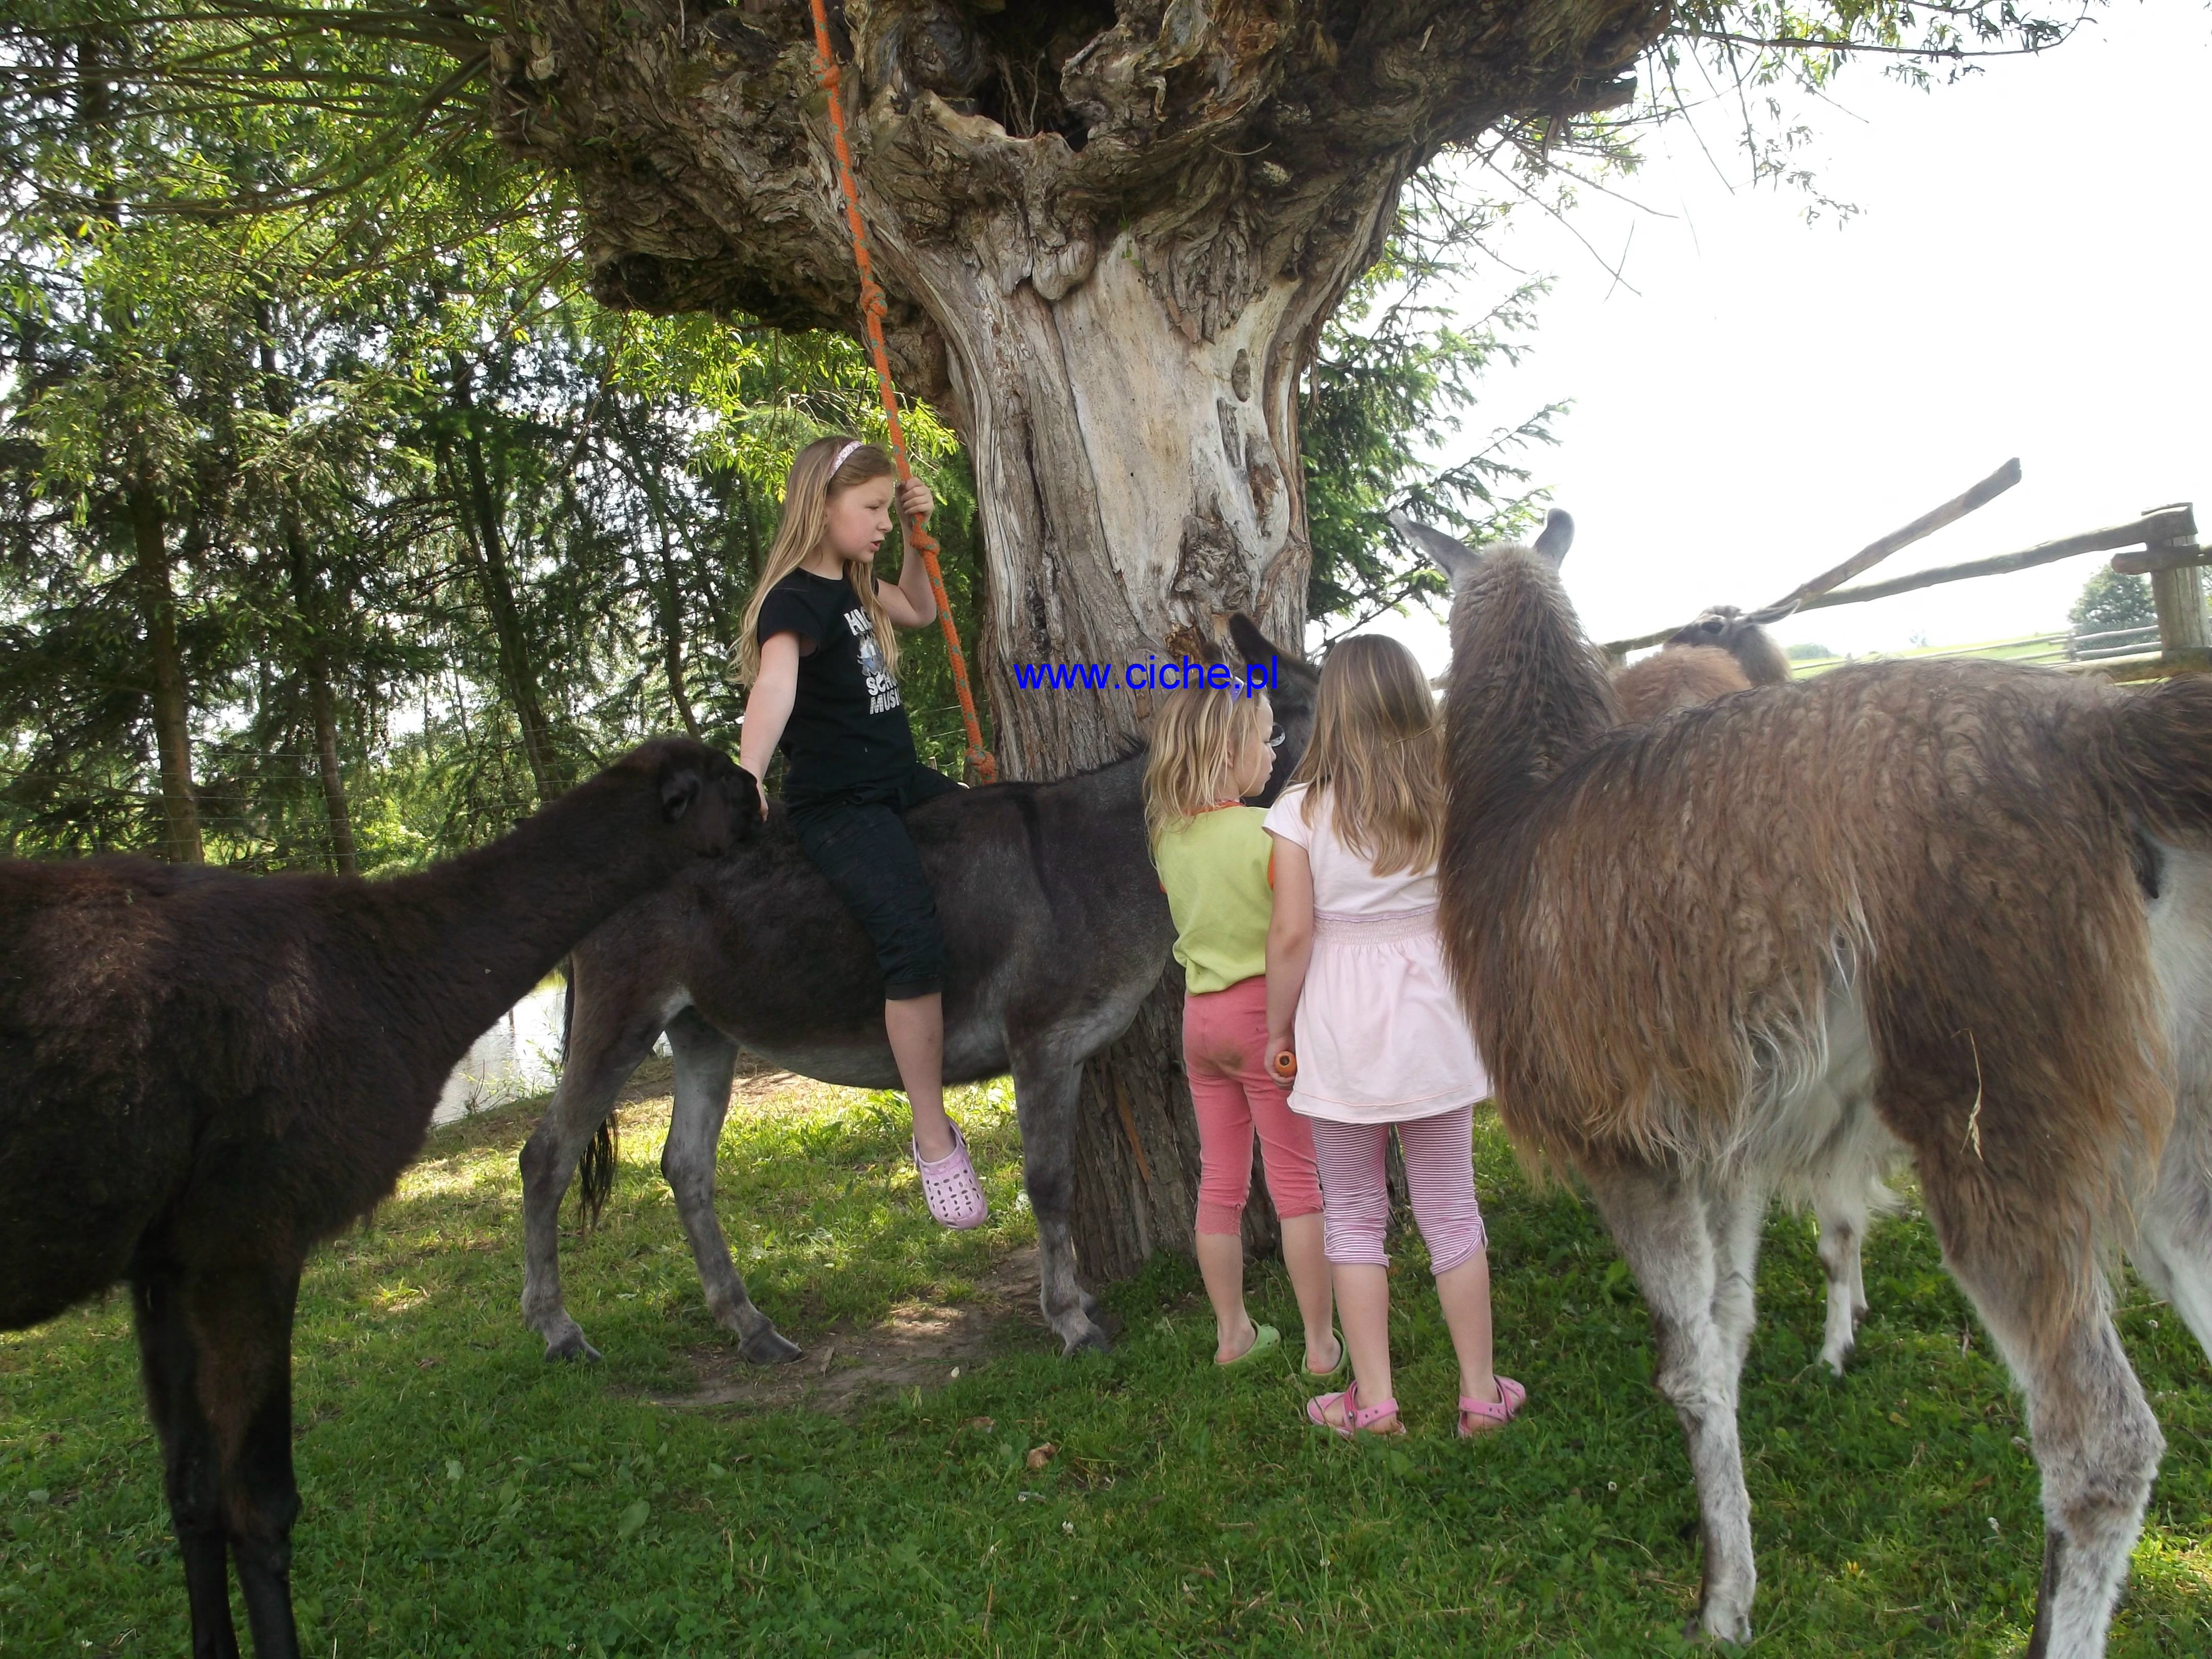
1343,1356
1264,1337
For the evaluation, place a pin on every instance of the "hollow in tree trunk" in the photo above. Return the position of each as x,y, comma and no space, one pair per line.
1108,235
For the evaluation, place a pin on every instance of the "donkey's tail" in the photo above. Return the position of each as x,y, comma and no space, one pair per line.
595,1169
2160,761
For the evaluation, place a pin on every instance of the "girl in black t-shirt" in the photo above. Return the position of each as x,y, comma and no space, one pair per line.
820,652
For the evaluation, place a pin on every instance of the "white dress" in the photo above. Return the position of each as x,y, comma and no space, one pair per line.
1380,1034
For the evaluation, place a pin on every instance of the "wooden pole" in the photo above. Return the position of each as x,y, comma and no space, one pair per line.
2177,590
2153,527
1802,597
1875,552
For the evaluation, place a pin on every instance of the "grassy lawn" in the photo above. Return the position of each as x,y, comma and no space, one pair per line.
462,1498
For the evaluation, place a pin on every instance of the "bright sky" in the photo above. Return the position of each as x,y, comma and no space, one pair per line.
1757,396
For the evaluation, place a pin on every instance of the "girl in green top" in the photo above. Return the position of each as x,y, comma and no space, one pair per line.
1209,746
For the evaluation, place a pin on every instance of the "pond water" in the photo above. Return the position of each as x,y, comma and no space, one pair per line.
519,1055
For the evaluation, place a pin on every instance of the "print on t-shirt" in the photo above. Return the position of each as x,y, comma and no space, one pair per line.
882,689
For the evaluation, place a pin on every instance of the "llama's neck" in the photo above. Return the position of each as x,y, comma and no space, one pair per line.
479,931
1528,692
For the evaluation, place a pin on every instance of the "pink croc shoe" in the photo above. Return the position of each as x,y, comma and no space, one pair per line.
1496,1413
1357,1419
949,1185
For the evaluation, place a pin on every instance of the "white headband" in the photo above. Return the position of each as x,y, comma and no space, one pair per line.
843,456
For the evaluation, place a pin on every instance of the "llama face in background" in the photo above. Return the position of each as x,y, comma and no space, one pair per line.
712,801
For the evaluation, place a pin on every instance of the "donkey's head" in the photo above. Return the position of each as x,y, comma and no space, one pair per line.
1753,646
1293,684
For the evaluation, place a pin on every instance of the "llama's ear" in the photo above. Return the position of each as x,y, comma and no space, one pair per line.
679,793
1449,554
1558,535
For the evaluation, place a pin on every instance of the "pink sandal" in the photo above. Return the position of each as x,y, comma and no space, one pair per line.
1498,1412
949,1186
1357,1417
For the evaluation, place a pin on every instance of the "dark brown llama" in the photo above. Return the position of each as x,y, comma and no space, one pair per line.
1722,652
203,1074
1988,885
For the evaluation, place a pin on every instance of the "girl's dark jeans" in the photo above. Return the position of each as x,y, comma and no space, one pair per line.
858,839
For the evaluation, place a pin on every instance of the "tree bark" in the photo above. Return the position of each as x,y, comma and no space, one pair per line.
672,637
173,738
497,588
322,704
1109,233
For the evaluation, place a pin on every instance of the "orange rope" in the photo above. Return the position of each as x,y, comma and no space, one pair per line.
871,312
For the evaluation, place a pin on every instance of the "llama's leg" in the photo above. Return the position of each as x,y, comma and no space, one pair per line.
242,1319
192,1476
1842,1208
2095,1438
605,1043
1045,1095
705,1062
2172,1249
1664,1227
1735,1214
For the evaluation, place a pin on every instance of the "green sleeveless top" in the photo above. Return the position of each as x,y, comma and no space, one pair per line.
1214,872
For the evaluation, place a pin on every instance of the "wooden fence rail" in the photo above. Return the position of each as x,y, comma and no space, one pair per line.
2161,543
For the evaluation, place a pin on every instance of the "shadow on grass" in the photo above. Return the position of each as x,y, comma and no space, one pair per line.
463,1497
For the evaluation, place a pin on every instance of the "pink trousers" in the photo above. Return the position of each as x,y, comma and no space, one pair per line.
1225,1044
1439,1169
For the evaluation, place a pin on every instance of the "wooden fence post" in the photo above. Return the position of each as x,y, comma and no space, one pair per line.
2178,593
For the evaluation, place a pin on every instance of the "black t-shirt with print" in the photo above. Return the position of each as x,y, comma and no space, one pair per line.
847,731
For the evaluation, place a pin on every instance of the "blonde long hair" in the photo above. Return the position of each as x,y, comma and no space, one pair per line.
1195,729
816,476
1378,750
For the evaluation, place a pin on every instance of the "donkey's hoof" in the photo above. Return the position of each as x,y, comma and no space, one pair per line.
1729,1628
767,1346
573,1347
1093,1339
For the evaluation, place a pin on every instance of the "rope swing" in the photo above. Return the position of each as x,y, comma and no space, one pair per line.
871,313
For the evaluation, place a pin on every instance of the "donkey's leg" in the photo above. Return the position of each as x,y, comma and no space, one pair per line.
1664,1226
608,1038
705,1061
1046,1091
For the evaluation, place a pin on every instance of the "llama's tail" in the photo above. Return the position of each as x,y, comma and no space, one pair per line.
595,1169
2160,761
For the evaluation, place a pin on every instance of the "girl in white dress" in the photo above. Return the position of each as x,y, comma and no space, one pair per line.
1357,991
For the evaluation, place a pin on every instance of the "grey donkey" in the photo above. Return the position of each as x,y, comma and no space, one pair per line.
1056,932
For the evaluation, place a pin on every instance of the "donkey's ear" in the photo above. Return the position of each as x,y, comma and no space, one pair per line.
1449,554
1558,535
1252,645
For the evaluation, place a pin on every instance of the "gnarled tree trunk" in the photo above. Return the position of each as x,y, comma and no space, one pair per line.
1109,232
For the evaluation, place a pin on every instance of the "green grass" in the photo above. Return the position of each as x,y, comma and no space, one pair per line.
462,1498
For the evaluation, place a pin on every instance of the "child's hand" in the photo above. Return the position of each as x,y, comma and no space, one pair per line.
915,500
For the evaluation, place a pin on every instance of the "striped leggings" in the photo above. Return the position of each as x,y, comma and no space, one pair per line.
1439,1168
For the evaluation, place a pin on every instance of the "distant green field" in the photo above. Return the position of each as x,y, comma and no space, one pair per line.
463,1499
2028,648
